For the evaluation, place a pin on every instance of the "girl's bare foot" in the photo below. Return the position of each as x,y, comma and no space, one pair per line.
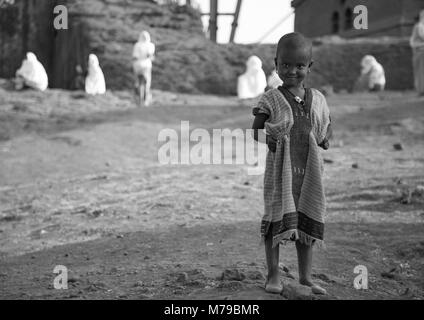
316,289
273,284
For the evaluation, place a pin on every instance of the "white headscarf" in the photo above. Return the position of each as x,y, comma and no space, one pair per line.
33,73
144,49
274,80
420,25
253,82
95,81
373,70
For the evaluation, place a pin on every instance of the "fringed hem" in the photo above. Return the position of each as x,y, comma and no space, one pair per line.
295,235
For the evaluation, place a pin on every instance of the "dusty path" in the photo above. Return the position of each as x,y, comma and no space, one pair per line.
81,187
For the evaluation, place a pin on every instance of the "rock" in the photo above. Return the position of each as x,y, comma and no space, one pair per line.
182,277
233,274
97,213
232,285
406,197
418,191
74,279
388,275
322,277
114,270
246,183
255,275
355,166
284,268
398,147
297,292
289,275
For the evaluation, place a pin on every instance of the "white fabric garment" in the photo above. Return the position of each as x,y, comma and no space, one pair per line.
143,53
252,83
33,73
420,25
274,80
373,71
95,81
417,37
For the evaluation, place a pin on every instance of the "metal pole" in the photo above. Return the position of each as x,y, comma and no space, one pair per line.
235,22
213,19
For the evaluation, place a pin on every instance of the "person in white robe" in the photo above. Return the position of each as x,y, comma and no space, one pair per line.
31,74
274,80
373,74
143,56
95,81
252,83
417,43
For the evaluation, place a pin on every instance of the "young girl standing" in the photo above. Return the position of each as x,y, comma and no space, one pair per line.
297,121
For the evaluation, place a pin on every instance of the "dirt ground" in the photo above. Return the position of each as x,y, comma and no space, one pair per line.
81,186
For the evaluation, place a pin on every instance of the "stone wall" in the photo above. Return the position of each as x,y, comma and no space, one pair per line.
338,62
24,27
186,61
386,17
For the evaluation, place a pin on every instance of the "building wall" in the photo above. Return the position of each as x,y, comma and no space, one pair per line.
338,64
385,17
25,26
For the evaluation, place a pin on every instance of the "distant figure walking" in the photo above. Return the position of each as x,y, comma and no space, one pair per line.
95,81
373,74
143,56
417,44
252,83
31,74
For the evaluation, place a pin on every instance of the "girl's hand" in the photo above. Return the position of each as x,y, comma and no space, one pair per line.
272,143
325,144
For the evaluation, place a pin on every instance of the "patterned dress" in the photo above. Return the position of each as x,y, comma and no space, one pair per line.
293,192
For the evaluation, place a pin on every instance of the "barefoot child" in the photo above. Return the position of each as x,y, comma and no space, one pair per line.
296,120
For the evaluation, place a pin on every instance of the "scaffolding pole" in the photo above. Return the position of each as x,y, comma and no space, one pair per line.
213,19
235,22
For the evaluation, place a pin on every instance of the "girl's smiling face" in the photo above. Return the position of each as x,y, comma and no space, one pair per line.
293,65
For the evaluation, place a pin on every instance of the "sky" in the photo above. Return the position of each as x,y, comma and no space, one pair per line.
257,18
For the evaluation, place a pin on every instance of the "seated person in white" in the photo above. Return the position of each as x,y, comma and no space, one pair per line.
252,83
274,80
372,74
31,74
143,55
95,80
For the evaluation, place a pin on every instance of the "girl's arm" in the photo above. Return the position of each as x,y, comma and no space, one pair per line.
326,144
259,124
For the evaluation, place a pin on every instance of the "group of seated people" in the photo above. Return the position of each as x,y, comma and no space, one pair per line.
32,74
250,84
253,82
